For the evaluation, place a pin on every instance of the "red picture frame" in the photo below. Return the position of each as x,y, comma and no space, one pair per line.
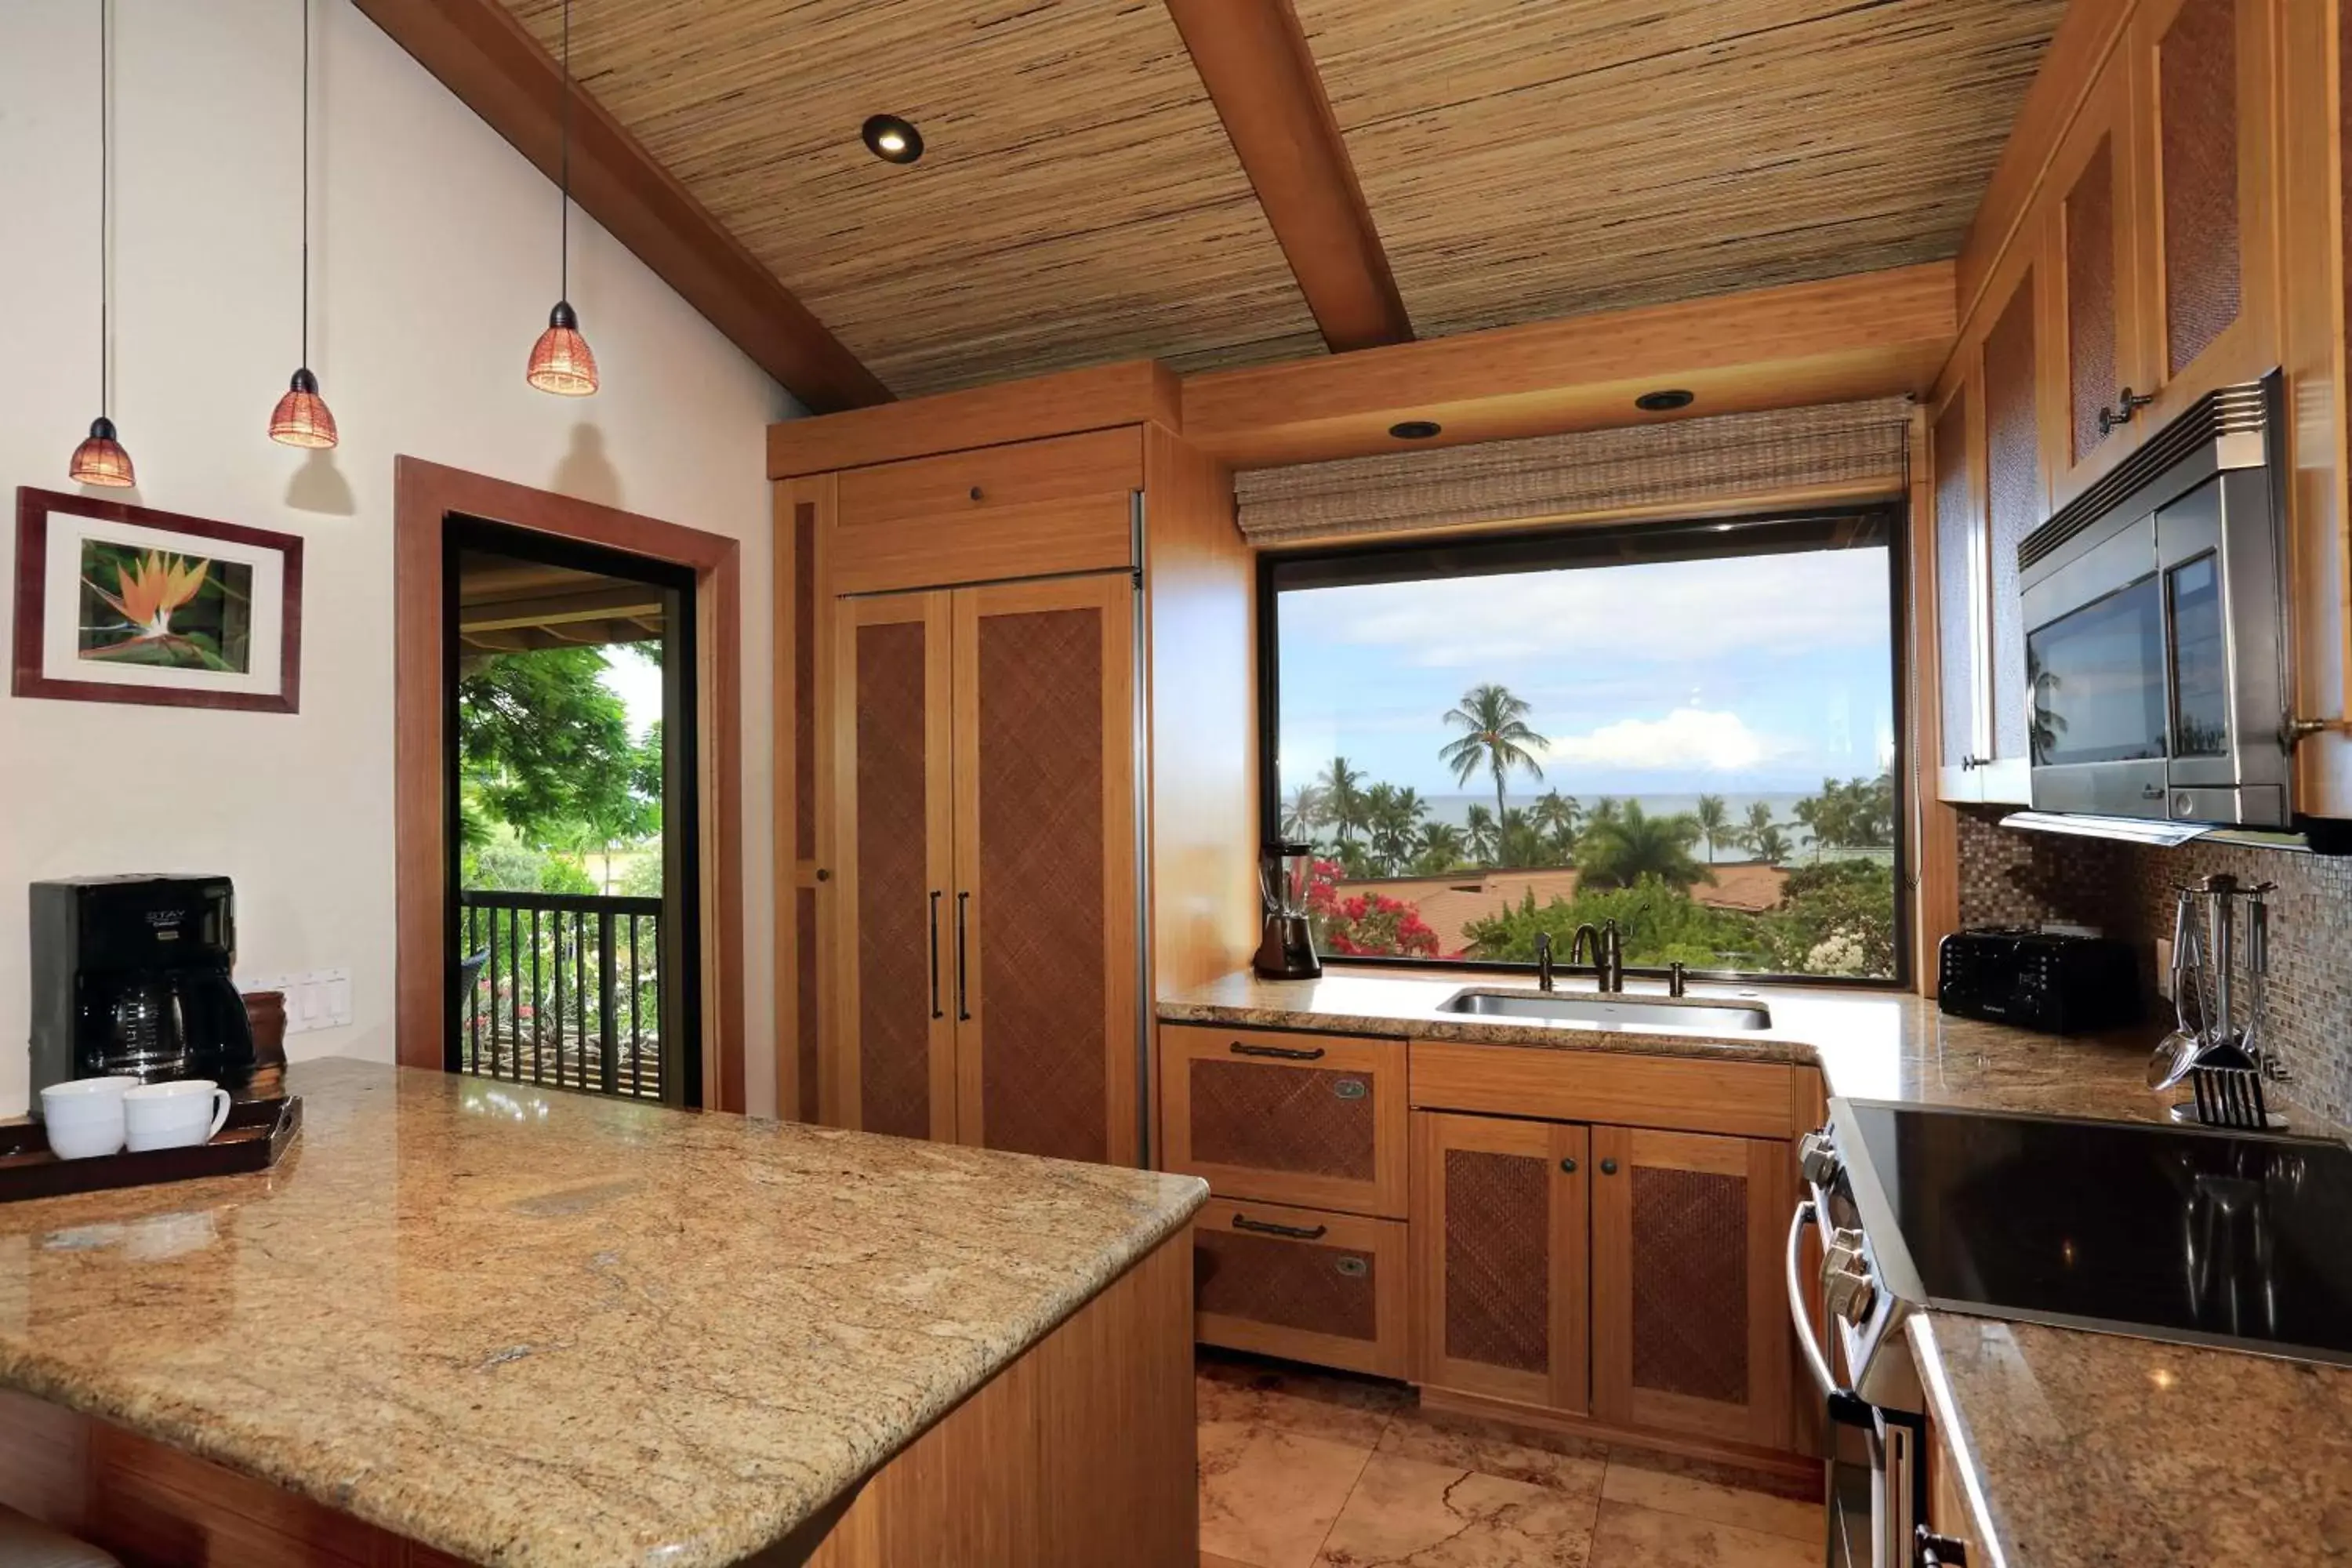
33,508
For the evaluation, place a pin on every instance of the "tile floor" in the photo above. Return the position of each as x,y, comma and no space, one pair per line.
1299,1469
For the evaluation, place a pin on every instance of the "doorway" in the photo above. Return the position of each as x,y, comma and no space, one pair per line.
569,753
543,558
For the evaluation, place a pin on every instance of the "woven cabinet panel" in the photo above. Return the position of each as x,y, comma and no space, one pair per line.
2091,298
1958,566
2012,503
1690,1283
894,978
1290,1284
1498,1259
804,964
804,680
1282,1119
2198,110
1040,875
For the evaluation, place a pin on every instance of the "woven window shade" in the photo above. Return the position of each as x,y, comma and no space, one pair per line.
1855,449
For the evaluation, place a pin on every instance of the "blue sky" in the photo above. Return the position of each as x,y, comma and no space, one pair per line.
1741,676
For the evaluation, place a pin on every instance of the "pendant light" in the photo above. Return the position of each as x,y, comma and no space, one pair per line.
559,361
100,459
302,417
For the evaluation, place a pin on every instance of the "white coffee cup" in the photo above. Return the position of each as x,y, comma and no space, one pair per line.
175,1115
84,1118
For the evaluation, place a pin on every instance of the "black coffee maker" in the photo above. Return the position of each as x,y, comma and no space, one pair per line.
130,977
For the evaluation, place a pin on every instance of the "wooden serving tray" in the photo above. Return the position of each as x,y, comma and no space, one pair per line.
258,1132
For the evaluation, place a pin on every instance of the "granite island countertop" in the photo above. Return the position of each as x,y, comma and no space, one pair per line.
526,1326
2078,1449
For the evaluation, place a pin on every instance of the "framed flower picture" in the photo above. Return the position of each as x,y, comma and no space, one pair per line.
120,604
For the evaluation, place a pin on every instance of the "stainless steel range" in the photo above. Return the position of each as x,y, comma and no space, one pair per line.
2228,1239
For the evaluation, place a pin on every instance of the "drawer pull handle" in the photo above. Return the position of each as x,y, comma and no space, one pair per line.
1350,1088
1267,1227
1351,1268
1280,1053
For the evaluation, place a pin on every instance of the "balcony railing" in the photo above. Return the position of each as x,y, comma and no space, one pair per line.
561,989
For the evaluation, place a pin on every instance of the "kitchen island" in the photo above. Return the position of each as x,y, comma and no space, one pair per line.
476,1320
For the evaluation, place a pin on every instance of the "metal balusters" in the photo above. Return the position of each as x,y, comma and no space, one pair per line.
551,987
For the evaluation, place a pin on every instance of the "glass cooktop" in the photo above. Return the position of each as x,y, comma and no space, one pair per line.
2174,1233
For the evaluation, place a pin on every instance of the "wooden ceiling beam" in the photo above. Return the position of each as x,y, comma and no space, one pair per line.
1254,58
482,54
1871,334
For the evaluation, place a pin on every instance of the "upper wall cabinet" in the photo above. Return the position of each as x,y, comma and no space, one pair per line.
2159,226
2094,353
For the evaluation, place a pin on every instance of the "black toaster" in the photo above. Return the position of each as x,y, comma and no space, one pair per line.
2059,982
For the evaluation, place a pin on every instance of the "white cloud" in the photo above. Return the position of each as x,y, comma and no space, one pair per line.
1686,740
1656,611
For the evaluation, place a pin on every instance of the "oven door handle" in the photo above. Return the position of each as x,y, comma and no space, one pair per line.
1844,1404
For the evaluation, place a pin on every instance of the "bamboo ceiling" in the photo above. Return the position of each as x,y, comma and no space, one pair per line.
1525,161
1079,201
1076,201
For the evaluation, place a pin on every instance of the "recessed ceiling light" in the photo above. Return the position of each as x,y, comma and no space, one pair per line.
1664,402
892,139
1415,429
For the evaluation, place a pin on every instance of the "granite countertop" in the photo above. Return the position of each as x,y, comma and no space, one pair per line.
527,1327
2078,1449
1870,1045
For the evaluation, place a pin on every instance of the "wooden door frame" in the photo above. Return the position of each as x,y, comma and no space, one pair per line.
425,495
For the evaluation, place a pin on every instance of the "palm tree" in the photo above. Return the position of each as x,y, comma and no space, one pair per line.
1556,817
1393,816
1478,827
1442,846
1303,812
1343,799
1713,819
1521,845
1496,738
1633,845
1772,844
1760,822
1813,813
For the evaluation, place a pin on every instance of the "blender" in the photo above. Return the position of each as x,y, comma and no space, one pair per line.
1289,951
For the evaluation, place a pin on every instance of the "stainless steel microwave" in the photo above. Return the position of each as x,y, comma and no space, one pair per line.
2156,627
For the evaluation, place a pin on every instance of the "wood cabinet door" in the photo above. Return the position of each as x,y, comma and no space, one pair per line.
893,1053
1315,1119
1499,1233
2096,342
2206,90
1963,591
1045,999
1690,1327
2016,502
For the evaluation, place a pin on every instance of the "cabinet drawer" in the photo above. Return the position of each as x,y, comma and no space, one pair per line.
1748,1099
1313,1120
1030,509
1310,1286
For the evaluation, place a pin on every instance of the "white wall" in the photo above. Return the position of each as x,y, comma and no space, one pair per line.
433,263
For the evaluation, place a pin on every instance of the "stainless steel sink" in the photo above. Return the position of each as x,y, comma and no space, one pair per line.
1631,1011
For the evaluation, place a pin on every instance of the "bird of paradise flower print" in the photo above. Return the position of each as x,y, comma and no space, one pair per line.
151,607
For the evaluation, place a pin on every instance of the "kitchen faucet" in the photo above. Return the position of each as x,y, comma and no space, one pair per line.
1608,954
1543,960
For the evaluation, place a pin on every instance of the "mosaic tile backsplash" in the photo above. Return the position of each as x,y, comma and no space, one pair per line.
2010,878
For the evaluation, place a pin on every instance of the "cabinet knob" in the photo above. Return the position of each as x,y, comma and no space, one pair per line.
1569,1166
975,492
1608,1167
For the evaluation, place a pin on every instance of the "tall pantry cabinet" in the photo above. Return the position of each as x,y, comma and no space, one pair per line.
977,650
